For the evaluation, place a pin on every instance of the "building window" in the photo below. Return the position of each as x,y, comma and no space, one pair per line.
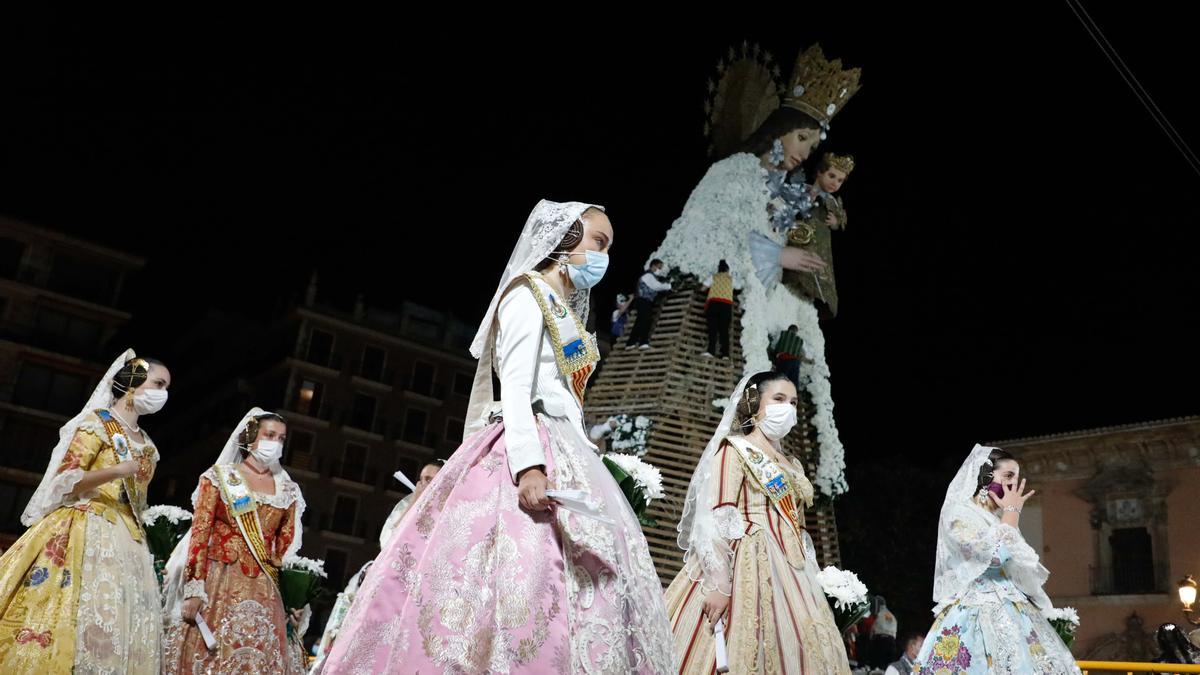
345,512
64,332
81,277
411,468
354,462
11,252
1132,561
320,347
46,389
362,415
422,378
27,444
308,398
373,362
13,499
415,422
336,562
454,431
463,383
300,450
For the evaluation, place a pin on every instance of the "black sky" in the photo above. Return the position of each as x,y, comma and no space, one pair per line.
1021,252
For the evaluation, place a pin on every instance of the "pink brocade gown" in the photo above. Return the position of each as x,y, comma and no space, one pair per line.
472,583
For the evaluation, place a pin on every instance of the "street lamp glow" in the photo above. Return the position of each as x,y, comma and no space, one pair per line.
1187,592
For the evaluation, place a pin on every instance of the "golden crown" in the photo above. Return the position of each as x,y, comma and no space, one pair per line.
819,87
843,163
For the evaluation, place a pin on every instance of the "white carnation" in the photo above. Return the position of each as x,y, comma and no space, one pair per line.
174,514
295,562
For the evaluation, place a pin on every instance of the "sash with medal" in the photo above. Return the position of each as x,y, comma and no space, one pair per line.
120,444
243,508
574,349
770,478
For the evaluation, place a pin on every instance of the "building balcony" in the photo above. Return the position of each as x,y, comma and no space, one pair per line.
381,386
1150,579
434,396
355,531
331,369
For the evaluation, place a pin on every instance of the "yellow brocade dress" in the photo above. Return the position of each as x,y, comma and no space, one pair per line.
78,591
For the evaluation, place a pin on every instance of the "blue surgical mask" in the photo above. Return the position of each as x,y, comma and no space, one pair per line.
589,273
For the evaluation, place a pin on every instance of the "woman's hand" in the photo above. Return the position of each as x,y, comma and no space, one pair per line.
1013,497
126,469
531,489
190,608
799,260
716,604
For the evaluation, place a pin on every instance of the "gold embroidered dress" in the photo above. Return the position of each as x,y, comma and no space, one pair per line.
779,620
78,591
242,602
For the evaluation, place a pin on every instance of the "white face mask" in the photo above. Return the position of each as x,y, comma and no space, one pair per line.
778,420
267,452
149,401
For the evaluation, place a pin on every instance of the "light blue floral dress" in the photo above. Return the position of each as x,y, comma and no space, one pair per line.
991,625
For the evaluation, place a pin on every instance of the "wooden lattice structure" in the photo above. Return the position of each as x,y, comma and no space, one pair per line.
675,387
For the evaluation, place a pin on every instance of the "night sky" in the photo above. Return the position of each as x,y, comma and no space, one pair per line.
1021,251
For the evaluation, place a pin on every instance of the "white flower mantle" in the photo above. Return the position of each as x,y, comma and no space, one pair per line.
725,208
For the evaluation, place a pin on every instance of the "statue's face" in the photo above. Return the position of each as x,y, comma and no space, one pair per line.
830,180
798,144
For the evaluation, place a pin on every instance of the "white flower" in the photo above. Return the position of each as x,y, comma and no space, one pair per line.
295,562
174,514
642,421
842,586
830,109
645,475
1067,614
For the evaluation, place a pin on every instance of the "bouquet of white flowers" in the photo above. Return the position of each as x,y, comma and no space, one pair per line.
640,481
299,581
846,595
165,526
1065,621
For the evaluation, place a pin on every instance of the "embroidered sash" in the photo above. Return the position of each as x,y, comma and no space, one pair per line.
771,479
120,444
243,508
574,348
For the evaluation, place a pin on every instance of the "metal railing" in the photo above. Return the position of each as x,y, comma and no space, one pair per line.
1109,580
1133,667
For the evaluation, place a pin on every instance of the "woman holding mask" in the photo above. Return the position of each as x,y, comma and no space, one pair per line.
988,581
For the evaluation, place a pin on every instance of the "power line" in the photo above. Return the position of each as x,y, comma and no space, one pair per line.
1140,92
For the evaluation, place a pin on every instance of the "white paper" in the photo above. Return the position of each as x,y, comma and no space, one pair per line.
210,640
575,502
719,639
399,475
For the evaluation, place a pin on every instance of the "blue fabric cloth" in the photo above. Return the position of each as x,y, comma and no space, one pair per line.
764,253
